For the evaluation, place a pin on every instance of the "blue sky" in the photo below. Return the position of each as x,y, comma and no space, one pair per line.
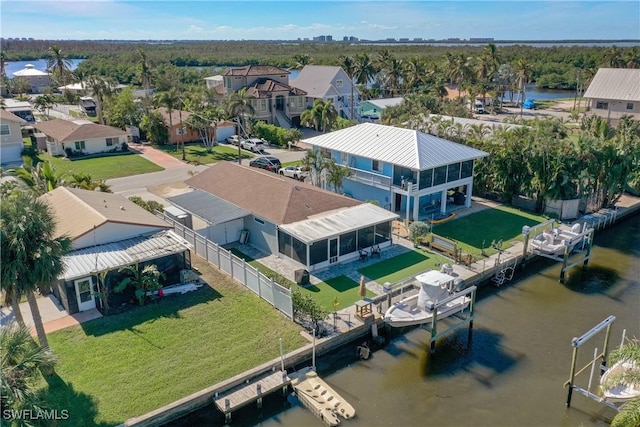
290,20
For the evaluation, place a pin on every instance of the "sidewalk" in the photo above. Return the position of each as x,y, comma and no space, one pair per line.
158,157
54,316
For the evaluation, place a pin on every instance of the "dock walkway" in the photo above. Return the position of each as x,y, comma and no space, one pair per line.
251,391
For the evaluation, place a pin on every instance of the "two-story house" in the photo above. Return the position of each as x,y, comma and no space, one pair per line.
404,170
272,98
329,83
11,144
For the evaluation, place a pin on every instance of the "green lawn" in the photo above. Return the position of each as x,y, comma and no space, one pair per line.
478,230
103,167
197,153
341,287
401,267
117,367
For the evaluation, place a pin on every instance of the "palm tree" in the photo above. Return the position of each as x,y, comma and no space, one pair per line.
364,70
59,63
144,68
85,181
38,177
143,280
316,163
22,362
301,60
170,100
100,89
43,103
328,115
523,71
349,67
239,106
336,174
31,251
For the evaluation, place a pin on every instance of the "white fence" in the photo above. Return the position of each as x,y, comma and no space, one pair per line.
237,268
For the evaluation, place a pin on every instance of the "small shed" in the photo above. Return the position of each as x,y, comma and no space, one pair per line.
39,140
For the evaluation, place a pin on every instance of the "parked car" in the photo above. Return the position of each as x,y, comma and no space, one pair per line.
252,144
295,172
269,163
233,139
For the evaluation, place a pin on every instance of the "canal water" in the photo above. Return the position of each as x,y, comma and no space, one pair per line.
510,374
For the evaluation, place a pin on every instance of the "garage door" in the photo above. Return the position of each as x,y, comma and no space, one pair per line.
11,154
222,132
227,232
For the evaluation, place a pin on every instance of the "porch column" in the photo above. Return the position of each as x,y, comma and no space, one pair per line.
443,202
416,207
406,208
467,200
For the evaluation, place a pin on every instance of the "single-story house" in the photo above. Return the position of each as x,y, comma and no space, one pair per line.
38,80
309,226
615,92
68,138
11,144
372,109
180,132
109,232
329,83
403,169
21,109
88,105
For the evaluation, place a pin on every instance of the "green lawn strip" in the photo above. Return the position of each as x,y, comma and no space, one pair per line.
197,153
478,230
292,163
341,287
402,266
103,167
125,365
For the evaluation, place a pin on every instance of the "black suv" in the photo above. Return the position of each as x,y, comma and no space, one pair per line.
272,164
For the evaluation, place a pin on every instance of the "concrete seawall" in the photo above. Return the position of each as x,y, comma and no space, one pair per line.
350,328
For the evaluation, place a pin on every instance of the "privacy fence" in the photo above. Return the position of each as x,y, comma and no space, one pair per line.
237,268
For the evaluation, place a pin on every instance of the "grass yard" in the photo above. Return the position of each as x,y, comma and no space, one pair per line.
476,231
341,287
197,153
104,167
402,266
117,367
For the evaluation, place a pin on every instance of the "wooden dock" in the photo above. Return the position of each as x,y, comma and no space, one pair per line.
252,390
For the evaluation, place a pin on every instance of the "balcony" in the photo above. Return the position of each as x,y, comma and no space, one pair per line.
370,178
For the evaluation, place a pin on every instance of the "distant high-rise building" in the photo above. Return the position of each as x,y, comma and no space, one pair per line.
349,39
481,39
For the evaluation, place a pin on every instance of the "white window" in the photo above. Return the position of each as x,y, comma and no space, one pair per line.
4,130
263,105
112,141
339,83
376,165
80,145
301,101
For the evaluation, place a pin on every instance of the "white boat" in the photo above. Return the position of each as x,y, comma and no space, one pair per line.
419,309
626,390
322,400
554,241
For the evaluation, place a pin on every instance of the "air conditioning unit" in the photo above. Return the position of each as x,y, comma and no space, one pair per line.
187,276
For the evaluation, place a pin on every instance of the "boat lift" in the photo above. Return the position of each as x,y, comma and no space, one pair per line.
465,316
576,343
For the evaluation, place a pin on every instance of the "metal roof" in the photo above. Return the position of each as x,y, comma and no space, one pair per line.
337,222
384,102
621,84
88,261
403,147
210,208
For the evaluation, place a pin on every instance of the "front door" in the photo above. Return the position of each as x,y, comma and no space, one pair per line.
333,250
84,293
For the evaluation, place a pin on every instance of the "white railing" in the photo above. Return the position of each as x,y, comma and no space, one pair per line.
370,178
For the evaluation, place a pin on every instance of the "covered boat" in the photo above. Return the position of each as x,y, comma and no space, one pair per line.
619,374
419,309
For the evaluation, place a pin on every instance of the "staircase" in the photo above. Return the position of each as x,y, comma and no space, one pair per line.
283,120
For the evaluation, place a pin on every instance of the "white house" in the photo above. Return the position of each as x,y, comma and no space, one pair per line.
78,137
11,144
109,232
404,170
615,92
329,83
38,80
